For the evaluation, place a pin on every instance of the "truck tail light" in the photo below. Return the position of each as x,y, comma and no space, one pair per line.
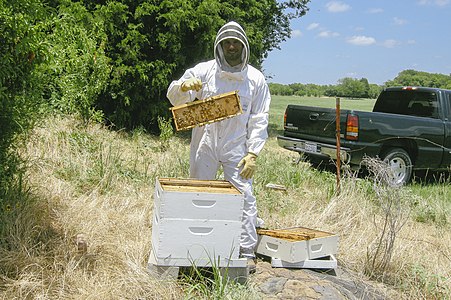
409,88
352,127
285,118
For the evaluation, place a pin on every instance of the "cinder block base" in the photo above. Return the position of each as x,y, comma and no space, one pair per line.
239,275
165,272
236,270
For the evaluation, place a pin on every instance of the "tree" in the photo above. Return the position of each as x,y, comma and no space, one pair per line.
21,50
418,78
353,88
365,88
374,91
151,43
76,70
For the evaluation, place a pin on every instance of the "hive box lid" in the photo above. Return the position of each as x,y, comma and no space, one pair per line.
201,112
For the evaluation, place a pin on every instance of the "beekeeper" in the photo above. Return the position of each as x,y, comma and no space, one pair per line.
233,143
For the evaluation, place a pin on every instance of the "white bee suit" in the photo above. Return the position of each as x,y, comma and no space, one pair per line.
226,142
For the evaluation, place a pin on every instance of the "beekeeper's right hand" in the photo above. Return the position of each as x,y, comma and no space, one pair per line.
193,83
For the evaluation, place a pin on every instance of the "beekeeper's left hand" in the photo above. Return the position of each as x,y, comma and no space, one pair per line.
249,165
194,84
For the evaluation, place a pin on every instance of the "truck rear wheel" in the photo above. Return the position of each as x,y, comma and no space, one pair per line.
401,165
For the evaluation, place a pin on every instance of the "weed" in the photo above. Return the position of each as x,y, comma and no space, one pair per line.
166,132
391,201
432,285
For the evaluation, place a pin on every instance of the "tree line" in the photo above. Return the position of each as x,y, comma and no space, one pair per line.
361,88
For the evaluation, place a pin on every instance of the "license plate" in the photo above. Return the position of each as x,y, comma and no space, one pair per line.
311,147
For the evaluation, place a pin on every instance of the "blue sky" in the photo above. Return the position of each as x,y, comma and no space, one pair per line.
373,39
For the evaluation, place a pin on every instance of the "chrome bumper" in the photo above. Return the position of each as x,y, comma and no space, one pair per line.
314,148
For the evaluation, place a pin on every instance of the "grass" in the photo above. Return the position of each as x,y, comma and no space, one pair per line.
96,182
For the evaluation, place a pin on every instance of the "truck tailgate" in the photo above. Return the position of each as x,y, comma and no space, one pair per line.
315,122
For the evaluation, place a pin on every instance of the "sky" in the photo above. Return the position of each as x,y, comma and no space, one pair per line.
372,39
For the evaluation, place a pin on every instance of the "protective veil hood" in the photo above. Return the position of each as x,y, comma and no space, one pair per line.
235,31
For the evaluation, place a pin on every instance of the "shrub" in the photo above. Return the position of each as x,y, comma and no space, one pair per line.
21,50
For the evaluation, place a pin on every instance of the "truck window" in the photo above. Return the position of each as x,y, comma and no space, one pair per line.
414,103
448,104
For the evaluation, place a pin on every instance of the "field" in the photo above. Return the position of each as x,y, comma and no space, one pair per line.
96,182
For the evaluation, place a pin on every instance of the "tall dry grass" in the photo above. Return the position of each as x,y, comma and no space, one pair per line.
420,263
99,183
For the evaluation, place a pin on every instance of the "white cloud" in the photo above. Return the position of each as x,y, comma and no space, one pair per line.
328,34
296,33
375,10
390,43
337,6
361,40
411,42
313,26
399,21
434,2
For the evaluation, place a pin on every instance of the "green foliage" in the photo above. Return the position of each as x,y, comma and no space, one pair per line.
346,87
430,284
417,78
374,91
280,89
146,44
77,69
166,132
21,49
361,88
353,88
151,43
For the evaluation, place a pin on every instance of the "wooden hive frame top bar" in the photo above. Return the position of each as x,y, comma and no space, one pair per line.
196,185
294,234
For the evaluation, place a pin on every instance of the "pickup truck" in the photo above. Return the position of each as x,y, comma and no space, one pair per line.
409,128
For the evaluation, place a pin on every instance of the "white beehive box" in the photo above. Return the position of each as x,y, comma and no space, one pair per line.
197,199
296,244
196,222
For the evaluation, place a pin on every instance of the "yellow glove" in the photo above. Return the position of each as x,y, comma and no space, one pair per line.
249,163
191,84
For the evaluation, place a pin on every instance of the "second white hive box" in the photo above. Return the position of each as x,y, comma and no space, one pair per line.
296,244
196,221
196,240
